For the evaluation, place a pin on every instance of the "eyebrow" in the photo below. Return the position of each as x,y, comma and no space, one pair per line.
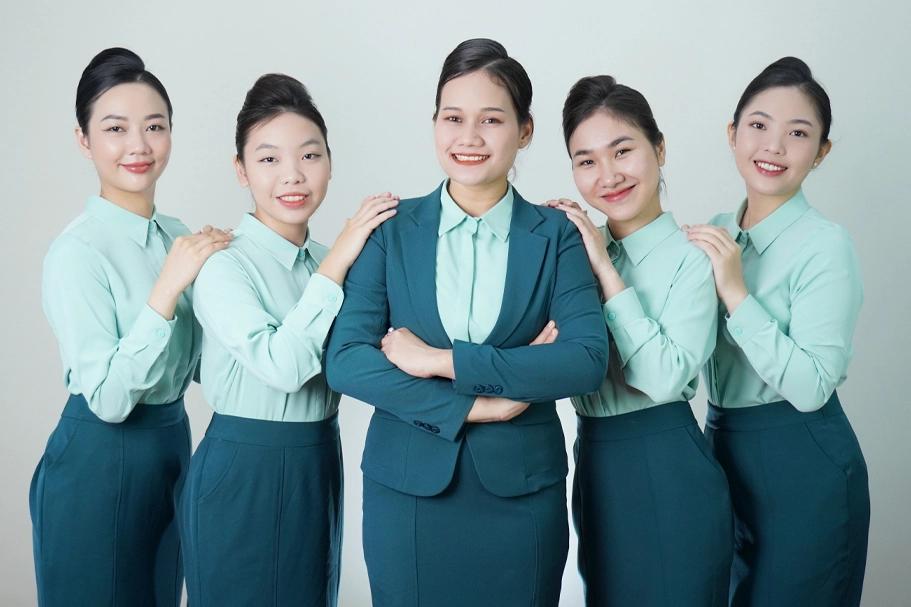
612,144
794,121
118,117
269,146
483,109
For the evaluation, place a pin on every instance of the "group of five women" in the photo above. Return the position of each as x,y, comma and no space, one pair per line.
461,316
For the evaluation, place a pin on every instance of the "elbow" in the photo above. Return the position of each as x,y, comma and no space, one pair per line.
813,400
110,415
594,372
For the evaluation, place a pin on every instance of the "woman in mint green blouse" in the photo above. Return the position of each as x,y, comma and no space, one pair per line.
650,503
790,290
115,291
261,516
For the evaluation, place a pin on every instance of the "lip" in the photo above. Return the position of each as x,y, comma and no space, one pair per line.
615,197
779,170
469,159
137,167
293,200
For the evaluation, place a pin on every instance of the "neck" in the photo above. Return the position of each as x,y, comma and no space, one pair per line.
295,233
140,203
621,229
760,206
477,199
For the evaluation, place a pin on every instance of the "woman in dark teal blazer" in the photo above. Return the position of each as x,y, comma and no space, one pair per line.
465,465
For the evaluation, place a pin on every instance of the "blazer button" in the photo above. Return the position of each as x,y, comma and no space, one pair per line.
479,389
418,423
498,389
434,429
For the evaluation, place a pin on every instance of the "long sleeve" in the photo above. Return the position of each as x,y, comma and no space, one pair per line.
284,353
574,364
660,356
806,362
110,371
357,367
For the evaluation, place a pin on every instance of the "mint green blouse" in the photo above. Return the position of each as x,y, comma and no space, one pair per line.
116,350
662,325
471,267
790,339
265,315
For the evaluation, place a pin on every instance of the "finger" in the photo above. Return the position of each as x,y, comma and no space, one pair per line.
570,203
376,221
713,238
543,334
710,250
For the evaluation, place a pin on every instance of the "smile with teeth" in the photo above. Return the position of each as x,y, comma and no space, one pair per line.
470,157
769,167
292,200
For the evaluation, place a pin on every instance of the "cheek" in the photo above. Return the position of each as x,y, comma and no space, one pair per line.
585,180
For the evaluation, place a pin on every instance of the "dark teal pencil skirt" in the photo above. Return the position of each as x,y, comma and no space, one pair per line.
102,502
801,504
466,546
261,515
652,511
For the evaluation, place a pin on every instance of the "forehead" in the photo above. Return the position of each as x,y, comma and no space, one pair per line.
782,102
600,129
475,90
129,99
287,128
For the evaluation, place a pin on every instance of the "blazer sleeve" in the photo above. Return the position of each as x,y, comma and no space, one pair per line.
575,364
356,366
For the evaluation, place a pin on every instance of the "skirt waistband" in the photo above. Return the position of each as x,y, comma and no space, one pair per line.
270,433
652,420
771,415
142,416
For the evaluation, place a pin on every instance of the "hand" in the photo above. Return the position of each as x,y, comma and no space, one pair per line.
548,335
182,265
724,254
494,409
373,211
409,353
595,246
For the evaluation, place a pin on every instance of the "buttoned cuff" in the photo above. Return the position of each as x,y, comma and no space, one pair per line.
152,328
622,308
322,292
747,320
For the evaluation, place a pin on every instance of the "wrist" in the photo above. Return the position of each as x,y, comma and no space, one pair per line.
732,299
611,282
443,364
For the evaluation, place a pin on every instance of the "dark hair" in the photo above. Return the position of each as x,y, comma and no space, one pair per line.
790,71
490,56
271,95
602,93
106,70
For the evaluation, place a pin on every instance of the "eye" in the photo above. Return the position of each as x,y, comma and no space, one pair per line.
586,162
114,129
491,121
622,152
799,133
155,127
452,119
312,156
268,160
757,125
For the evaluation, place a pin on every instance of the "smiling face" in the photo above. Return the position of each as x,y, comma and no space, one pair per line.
477,132
128,139
776,143
287,168
616,169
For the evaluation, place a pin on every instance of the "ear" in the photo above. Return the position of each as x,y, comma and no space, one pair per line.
732,134
824,150
659,151
241,172
82,140
526,130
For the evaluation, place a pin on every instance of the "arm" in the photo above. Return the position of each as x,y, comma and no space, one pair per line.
807,363
284,353
356,366
111,371
660,356
574,364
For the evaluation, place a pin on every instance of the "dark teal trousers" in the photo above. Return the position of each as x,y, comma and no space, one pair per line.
652,511
261,515
465,546
102,502
801,504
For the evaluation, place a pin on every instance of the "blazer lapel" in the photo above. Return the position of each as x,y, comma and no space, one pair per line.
523,267
419,245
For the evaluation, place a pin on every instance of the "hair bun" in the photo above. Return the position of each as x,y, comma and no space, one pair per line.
117,57
792,64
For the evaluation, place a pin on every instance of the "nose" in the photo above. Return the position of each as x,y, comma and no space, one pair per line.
610,177
470,135
774,143
294,175
138,142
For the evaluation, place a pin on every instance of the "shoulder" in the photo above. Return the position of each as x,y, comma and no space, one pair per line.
722,219
80,247
173,226
318,250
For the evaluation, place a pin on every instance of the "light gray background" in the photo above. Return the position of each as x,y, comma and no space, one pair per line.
373,69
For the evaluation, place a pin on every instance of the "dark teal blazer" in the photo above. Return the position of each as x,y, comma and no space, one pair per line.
418,425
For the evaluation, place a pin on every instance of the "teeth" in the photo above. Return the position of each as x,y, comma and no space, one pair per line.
467,158
766,166
292,198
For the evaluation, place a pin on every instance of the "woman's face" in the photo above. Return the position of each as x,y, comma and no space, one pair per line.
128,139
617,169
776,142
286,166
476,130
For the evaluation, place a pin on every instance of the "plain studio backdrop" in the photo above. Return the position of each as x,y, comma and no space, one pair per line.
372,69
